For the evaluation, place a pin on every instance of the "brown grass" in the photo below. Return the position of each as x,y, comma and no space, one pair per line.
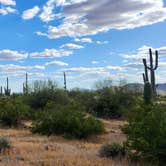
34,150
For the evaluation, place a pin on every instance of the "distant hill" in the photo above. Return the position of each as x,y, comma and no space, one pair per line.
161,88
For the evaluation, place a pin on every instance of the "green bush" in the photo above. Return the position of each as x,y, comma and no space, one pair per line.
146,133
112,150
4,143
12,111
39,99
68,122
113,102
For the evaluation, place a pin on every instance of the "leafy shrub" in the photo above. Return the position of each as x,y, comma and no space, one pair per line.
68,122
112,150
112,102
146,133
4,143
12,111
39,99
86,98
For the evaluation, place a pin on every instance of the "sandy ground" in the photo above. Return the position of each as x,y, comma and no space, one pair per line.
34,150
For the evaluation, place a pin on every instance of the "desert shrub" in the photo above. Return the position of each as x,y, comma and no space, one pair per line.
4,143
12,111
68,122
39,99
146,133
86,98
113,102
112,150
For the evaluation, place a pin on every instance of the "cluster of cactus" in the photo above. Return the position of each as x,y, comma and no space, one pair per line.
25,85
7,91
150,86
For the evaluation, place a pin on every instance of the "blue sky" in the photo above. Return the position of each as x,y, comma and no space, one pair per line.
90,40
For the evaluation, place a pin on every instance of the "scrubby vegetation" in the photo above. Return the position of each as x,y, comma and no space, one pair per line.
68,122
4,143
12,111
112,150
79,114
146,133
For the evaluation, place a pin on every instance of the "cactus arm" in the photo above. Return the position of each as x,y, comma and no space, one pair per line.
151,59
156,62
144,77
146,72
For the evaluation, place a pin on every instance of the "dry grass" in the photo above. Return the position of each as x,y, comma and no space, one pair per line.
34,150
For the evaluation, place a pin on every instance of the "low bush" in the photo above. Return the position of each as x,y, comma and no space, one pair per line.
68,122
39,99
146,133
12,111
4,143
112,150
113,102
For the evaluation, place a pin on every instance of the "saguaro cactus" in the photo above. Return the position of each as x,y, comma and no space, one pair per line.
1,93
25,85
65,85
7,90
145,75
152,67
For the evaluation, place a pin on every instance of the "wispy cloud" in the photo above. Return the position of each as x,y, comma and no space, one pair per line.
51,53
56,63
30,13
12,55
71,46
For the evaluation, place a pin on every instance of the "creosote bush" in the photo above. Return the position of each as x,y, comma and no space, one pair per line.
146,133
68,122
12,111
112,150
4,143
112,102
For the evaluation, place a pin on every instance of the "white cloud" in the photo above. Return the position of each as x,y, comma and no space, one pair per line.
71,46
83,40
94,62
13,68
48,10
90,69
143,52
8,2
12,55
6,10
91,16
51,53
56,63
102,42
30,13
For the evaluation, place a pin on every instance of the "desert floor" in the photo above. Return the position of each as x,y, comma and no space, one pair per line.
34,150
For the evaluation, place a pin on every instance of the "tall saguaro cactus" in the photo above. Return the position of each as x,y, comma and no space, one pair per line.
7,90
65,85
145,76
25,85
152,67
1,92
